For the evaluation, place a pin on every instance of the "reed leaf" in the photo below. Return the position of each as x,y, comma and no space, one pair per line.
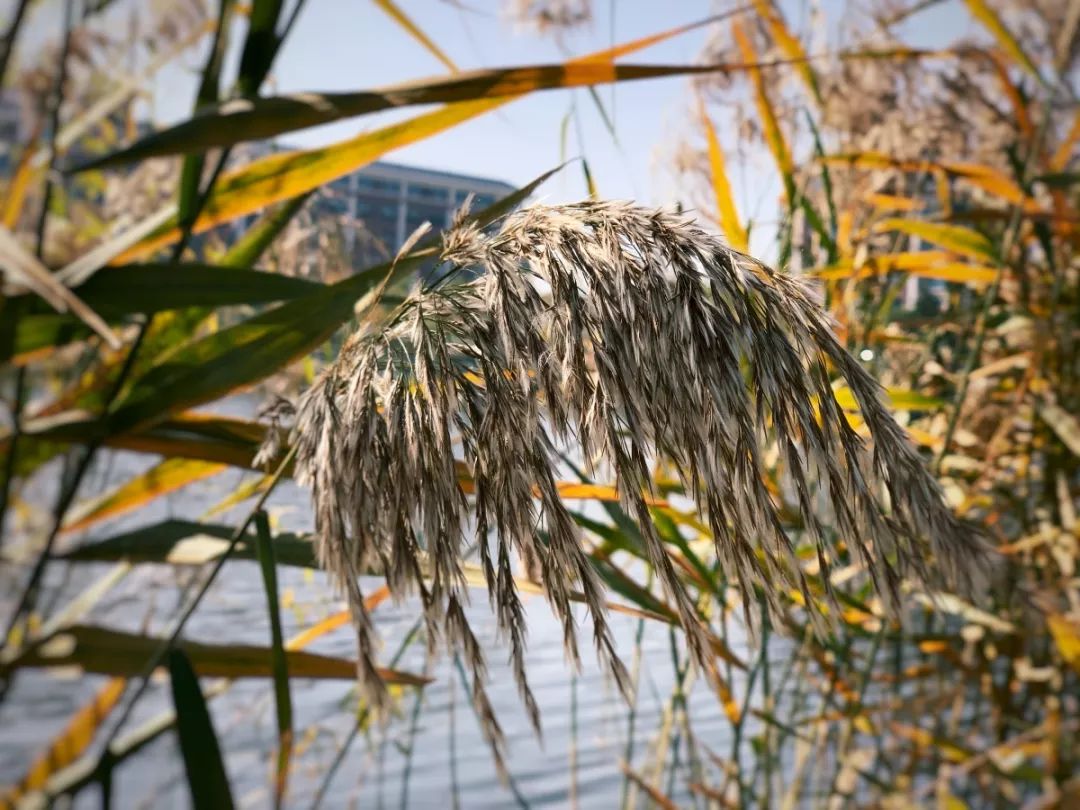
168,476
206,776
1005,39
113,652
393,10
954,238
725,202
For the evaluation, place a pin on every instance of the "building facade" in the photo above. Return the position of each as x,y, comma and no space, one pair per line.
385,202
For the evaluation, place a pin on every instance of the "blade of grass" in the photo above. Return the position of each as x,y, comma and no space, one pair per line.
69,744
393,10
725,201
955,238
982,12
168,476
789,45
25,268
112,652
769,122
206,777
208,93
260,46
264,545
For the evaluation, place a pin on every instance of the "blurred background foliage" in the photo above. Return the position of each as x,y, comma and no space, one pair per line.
934,192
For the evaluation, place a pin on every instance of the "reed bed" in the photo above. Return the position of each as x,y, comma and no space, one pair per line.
865,459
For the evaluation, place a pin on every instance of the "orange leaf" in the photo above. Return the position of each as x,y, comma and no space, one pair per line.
70,743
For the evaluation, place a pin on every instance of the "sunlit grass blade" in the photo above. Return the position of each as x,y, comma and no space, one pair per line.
168,476
18,185
987,178
1066,635
206,776
899,399
990,20
954,238
770,124
403,20
935,264
789,44
69,744
725,201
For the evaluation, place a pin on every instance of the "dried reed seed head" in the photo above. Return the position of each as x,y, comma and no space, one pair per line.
631,337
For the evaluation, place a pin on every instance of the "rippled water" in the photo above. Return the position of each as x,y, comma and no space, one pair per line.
430,757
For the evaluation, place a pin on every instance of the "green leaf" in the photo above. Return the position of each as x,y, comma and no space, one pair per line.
167,476
147,288
259,236
261,45
208,94
183,542
206,776
264,545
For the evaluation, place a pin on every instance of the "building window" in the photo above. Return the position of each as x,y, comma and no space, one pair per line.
378,185
427,193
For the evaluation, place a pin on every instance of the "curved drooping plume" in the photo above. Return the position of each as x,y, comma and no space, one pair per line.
631,336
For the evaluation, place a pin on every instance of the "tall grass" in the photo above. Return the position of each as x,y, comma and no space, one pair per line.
746,471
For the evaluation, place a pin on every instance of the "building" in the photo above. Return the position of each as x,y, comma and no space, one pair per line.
12,130
386,202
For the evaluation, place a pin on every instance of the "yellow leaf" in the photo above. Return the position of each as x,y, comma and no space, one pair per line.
331,623
899,399
957,273
769,123
789,44
70,743
955,238
1063,154
18,185
402,19
987,178
168,476
891,202
1067,637
725,202
1004,37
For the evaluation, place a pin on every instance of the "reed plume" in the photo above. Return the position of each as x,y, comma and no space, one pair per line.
634,337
